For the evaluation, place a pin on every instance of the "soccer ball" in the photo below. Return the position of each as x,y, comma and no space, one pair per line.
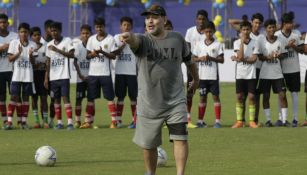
45,156
162,157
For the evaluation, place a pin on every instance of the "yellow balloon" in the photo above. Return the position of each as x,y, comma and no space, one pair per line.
11,21
219,1
218,34
216,23
186,2
74,1
144,1
5,1
220,39
43,1
218,18
240,3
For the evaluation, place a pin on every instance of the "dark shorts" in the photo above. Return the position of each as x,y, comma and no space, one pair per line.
21,88
39,78
81,90
246,86
206,86
124,82
5,81
95,83
293,81
277,85
59,88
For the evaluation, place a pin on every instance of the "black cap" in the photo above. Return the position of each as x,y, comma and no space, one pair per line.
155,10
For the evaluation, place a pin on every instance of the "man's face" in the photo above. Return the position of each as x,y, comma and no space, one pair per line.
245,31
155,24
209,32
270,30
55,33
200,21
99,28
85,34
288,26
125,26
23,34
256,24
3,24
36,36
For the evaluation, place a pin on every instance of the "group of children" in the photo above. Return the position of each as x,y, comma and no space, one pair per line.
40,66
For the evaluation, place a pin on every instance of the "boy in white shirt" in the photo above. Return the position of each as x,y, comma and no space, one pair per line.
58,52
208,53
246,56
21,53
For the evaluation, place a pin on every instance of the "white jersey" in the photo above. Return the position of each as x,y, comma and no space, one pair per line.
305,40
192,36
5,65
41,58
80,54
100,66
126,61
259,41
22,70
208,70
291,63
59,64
43,41
271,69
245,70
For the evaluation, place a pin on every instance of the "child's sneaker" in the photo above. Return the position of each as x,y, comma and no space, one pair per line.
217,125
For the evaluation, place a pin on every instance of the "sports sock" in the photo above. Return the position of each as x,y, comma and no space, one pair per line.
3,112
68,110
35,113
239,111
112,110
58,113
201,111
217,109
252,110
78,110
284,113
119,111
267,113
295,105
10,112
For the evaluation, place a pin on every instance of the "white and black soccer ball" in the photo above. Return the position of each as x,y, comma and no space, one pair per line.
45,156
162,157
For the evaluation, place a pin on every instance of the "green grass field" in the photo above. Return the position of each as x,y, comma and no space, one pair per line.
106,151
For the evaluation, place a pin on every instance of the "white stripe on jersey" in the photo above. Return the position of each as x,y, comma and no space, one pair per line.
59,64
5,65
23,70
291,63
259,40
271,69
80,54
100,66
192,36
126,61
243,69
208,70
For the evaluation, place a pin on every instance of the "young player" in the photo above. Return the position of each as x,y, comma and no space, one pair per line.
305,51
194,35
208,54
125,73
58,52
246,56
99,48
39,70
271,72
21,53
290,66
82,66
6,67
161,95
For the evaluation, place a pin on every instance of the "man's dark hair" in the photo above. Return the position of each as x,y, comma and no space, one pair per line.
47,23
245,24
127,19
56,25
99,21
209,25
24,26
35,29
86,27
202,13
287,17
4,16
258,16
269,22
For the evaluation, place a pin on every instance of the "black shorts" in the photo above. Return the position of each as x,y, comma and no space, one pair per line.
293,81
124,82
277,85
22,88
81,90
246,86
5,81
95,83
206,86
39,78
59,88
